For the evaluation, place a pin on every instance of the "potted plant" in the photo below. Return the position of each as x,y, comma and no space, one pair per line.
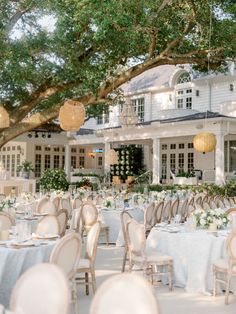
54,180
25,169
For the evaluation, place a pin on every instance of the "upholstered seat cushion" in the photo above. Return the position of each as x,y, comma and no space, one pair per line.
223,265
153,259
83,263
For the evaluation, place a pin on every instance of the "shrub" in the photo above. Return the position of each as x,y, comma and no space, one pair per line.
54,179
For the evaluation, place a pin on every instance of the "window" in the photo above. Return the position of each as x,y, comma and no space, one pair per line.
164,166
37,165
139,107
56,149
184,78
190,145
232,156
13,147
63,149
8,163
63,162
73,162
164,146
81,150
99,161
56,161
181,146
172,146
73,149
17,162
4,149
4,161
81,161
13,165
184,98
8,148
181,162
103,118
190,162
172,162
47,162
37,147
47,148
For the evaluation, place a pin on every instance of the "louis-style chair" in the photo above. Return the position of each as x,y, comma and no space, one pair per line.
166,213
48,225
62,216
226,267
174,208
158,211
126,294
149,217
6,221
125,217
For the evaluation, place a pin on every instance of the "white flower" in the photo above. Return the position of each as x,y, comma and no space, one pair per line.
202,222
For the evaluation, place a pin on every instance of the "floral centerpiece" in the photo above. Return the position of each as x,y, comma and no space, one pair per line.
27,196
6,204
109,202
213,216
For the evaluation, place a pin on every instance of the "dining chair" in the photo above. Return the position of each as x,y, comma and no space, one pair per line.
42,289
46,207
191,209
125,217
159,211
77,203
183,210
75,222
152,264
149,217
89,215
66,254
232,201
198,200
212,205
62,216
48,225
226,267
56,201
206,206
205,198
221,203
226,202
6,221
166,211
125,294
174,208
66,204
40,203
99,200
87,264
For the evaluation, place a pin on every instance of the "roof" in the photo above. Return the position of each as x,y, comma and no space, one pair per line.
156,77
84,131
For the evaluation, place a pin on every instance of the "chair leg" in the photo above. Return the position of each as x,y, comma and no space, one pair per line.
124,261
86,283
170,277
214,283
227,289
93,281
107,236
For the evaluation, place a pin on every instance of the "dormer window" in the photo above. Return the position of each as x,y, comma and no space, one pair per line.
184,78
183,93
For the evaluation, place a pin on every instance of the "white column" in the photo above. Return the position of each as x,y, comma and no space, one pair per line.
219,160
156,161
67,161
106,153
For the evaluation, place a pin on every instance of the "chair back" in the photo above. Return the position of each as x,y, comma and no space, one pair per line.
205,199
221,204
47,207
48,225
62,217
231,200
174,208
77,202
40,204
212,205
166,211
226,202
42,289
231,247
125,218
149,216
66,204
183,210
206,206
99,200
198,200
89,214
190,210
6,221
66,253
56,201
75,223
92,241
159,210
136,238
125,293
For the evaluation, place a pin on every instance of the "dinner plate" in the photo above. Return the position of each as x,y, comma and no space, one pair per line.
40,214
46,236
23,244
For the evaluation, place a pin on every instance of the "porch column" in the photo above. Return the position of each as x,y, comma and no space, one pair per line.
67,161
156,161
219,160
106,153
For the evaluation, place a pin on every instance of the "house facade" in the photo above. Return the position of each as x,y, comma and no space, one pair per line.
173,104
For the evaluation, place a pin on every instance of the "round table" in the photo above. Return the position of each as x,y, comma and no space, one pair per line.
14,262
193,254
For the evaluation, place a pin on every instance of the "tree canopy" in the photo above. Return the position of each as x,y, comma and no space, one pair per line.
85,49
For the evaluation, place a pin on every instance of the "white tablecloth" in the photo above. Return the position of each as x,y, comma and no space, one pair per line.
14,262
111,218
193,255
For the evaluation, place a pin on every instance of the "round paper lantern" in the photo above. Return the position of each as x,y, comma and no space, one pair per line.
204,142
112,157
4,118
71,115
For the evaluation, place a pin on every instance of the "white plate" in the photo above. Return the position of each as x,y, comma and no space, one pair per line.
46,236
40,214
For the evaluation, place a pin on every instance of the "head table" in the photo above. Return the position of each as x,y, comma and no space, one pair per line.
193,254
14,262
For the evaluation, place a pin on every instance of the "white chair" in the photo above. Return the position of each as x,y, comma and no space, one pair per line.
6,221
46,206
152,264
66,254
158,211
40,203
56,201
48,225
166,213
149,217
66,204
125,294
225,267
125,217
62,217
42,289
77,203
174,208
75,222
87,264
99,200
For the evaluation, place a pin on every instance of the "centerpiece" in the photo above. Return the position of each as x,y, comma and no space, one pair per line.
212,219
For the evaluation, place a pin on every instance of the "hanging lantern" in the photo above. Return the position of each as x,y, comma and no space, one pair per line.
112,157
204,142
4,118
128,116
72,115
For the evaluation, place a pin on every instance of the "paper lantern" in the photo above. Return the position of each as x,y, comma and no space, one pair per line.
204,142
4,118
112,157
71,115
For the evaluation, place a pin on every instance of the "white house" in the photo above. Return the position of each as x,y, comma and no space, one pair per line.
173,104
